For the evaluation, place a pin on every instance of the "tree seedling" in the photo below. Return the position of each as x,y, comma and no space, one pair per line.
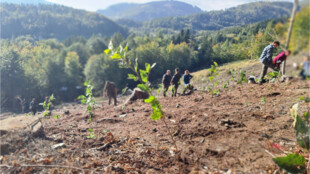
91,134
89,100
306,99
56,116
142,76
47,104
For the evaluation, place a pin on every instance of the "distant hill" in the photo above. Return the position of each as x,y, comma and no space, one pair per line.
148,11
53,21
26,1
215,20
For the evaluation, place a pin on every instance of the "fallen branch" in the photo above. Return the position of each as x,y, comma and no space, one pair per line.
47,166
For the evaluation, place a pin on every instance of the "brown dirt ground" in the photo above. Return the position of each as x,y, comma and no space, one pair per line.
233,132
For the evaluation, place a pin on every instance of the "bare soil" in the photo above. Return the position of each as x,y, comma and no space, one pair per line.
232,132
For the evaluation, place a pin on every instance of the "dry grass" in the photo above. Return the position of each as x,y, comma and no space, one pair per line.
233,65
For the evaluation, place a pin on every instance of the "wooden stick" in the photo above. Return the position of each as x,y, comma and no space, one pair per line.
290,32
47,166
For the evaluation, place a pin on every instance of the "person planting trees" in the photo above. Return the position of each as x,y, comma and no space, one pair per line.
166,82
266,60
186,81
305,68
33,106
110,90
280,58
175,82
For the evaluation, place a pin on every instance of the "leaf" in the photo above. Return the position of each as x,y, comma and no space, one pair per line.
307,115
147,68
211,78
86,83
292,163
156,115
116,56
144,76
150,99
107,51
133,77
215,64
143,87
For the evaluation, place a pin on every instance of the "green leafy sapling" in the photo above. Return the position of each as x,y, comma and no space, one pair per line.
56,116
295,163
263,100
47,105
142,76
91,134
88,99
212,74
242,77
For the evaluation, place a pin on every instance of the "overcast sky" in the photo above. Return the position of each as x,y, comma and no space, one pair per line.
93,5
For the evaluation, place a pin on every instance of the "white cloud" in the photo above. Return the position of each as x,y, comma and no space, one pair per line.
93,5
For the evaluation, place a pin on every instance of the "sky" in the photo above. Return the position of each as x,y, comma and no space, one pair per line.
207,5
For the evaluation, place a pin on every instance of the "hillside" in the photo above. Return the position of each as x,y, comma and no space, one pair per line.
53,21
148,11
26,1
215,20
232,132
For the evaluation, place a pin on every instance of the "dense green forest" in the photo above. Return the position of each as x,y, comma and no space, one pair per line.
215,20
148,11
53,21
32,68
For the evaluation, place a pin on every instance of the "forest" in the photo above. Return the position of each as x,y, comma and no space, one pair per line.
53,21
34,68
215,20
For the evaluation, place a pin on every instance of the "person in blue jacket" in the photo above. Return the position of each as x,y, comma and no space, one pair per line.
266,60
186,81
305,69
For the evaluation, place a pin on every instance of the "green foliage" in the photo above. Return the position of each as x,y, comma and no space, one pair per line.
142,74
46,104
91,134
212,74
302,128
156,106
263,100
295,163
242,77
88,99
53,21
215,20
56,116
301,31
292,163
274,74
306,99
